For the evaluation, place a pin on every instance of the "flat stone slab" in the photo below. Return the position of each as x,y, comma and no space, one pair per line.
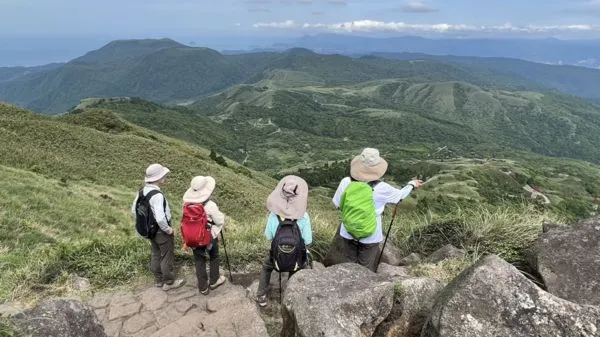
183,312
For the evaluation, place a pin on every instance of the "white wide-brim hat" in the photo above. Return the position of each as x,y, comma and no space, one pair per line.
368,166
155,172
290,198
201,188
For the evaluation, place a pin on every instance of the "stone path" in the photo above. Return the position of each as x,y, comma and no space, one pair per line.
225,312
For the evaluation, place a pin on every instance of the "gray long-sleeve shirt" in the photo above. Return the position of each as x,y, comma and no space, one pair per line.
162,215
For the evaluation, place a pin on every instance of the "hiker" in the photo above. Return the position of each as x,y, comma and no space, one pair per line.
202,221
361,199
156,226
289,230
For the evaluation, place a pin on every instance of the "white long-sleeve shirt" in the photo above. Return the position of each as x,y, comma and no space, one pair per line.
215,217
383,194
162,214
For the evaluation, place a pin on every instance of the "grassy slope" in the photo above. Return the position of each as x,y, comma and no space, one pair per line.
470,120
67,190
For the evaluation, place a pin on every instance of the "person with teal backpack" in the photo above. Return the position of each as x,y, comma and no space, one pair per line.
361,199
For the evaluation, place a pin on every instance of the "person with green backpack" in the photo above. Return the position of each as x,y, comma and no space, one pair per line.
361,199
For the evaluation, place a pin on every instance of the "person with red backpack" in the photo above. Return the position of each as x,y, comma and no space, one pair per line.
201,223
361,199
289,230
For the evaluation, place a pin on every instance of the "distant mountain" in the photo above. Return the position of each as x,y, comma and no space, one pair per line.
166,71
13,73
554,51
578,81
409,118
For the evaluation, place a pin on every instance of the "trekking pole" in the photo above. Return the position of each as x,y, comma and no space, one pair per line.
226,256
390,229
387,234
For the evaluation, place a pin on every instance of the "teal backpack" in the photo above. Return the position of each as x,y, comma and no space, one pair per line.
357,206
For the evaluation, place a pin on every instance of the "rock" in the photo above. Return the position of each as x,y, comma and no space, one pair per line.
60,318
444,253
124,310
9,310
152,298
80,283
410,260
567,258
414,299
492,298
138,322
391,254
343,300
335,254
318,265
395,273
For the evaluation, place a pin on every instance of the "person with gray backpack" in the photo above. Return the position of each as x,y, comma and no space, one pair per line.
153,222
289,230
361,199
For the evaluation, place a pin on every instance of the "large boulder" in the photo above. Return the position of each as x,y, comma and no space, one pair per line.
446,252
60,318
343,300
335,254
568,260
492,298
391,254
413,302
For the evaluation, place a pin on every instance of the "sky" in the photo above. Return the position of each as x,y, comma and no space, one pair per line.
174,18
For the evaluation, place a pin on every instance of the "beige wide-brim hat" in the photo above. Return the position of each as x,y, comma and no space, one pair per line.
368,166
290,198
201,188
155,172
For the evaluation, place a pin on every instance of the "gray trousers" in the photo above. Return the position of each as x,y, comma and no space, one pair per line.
163,254
365,254
200,257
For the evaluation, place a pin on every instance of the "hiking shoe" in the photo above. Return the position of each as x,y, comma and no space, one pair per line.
262,300
220,281
174,285
205,291
158,284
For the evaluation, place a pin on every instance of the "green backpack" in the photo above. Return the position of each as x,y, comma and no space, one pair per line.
357,206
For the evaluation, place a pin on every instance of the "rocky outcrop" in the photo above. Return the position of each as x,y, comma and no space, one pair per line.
568,260
60,318
410,260
413,302
391,254
343,300
446,252
492,298
394,273
183,312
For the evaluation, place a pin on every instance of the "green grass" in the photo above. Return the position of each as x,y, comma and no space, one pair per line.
68,184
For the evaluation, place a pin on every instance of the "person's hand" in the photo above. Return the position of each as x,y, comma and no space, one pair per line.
416,183
170,231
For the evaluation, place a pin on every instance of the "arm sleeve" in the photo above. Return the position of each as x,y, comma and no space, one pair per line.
216,217
271,228
306,229
338,193
134,202
158,209
392,195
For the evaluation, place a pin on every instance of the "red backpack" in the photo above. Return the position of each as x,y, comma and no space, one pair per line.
195,228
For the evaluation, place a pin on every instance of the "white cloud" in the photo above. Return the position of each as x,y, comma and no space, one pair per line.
418,7
380,26
284,24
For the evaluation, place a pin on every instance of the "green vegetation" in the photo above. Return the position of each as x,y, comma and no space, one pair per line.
166,71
